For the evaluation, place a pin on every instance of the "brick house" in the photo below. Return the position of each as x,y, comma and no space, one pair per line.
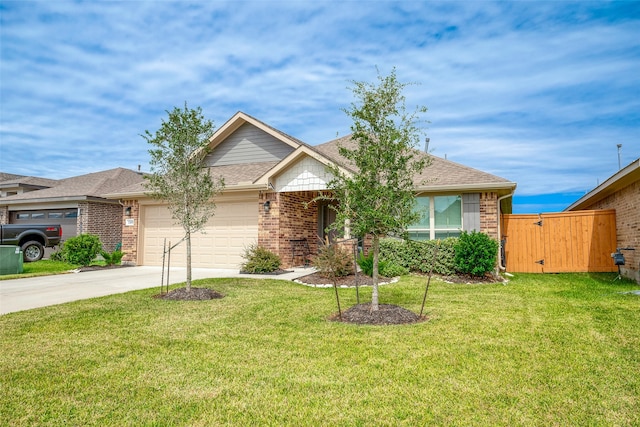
620,192
77,203
271,180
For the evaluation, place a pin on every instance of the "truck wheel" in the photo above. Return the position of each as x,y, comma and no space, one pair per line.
32,251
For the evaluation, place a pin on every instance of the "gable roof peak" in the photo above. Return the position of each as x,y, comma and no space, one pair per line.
239,119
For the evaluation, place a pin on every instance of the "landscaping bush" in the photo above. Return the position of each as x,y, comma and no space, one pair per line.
57,255
333,261
392,269
475,253
112,258
260,260
366,264
81,249
417,255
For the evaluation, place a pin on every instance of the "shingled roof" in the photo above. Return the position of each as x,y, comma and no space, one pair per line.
9,176
440,174
9,180
233,175
90,186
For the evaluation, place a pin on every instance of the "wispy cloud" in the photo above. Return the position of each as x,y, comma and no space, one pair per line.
537,92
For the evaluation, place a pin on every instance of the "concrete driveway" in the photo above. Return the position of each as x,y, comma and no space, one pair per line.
28,293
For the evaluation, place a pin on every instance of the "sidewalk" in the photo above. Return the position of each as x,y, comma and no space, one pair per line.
34,292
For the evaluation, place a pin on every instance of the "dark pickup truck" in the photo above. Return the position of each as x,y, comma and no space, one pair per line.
31,238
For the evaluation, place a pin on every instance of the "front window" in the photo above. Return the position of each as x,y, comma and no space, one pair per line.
441,217
421,229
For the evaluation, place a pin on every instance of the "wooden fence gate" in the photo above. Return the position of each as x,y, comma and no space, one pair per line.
580,241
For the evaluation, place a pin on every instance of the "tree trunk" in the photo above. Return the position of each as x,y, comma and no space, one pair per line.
188,284
376,256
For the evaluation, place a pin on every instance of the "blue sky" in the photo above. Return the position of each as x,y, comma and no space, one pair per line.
539,93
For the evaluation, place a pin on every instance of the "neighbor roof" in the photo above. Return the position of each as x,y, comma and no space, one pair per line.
9,176
621,179
234,176
8,180
90,186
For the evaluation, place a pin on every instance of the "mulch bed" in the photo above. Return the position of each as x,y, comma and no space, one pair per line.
196,294
345,281
387,314
350,281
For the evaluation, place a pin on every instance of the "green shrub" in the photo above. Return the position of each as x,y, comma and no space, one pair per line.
418,255
366,264
476,253
392,269
81,249
260,260
57,255
333,261
112,258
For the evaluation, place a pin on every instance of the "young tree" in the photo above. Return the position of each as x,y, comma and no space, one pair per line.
379,196
179,175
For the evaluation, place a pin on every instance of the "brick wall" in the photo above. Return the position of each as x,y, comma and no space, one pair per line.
299,220
130,233
269,222
289,219
292,215
489,214
626,203
103,220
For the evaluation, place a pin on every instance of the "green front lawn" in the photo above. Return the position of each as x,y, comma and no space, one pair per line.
541,350
45,267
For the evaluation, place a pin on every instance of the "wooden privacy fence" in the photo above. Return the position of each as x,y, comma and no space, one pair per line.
580,241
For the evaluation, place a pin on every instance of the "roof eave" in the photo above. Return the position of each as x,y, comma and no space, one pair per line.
617,181
243,186
477,187
4,202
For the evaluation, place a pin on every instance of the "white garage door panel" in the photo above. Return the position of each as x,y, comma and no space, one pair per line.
234,227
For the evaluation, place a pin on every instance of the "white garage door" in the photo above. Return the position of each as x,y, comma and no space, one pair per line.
233,227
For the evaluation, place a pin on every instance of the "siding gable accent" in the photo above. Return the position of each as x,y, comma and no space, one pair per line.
248,144
307,174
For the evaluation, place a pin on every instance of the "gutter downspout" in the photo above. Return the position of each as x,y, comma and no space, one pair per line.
500,260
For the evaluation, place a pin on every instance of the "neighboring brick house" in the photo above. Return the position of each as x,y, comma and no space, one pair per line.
622,193
271,181
77,203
